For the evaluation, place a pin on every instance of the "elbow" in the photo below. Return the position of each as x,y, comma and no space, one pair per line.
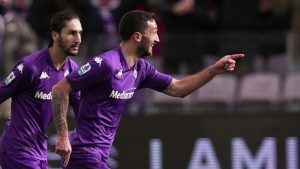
181,95
55,90
61,88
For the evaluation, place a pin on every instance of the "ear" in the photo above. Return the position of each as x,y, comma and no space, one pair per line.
137,36
54,35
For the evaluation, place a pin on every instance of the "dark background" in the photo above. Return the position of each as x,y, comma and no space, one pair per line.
179,133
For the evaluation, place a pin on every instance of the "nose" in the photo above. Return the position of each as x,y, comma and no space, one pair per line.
156,38
78,38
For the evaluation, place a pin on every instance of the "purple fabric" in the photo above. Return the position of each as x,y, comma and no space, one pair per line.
86,160
9,161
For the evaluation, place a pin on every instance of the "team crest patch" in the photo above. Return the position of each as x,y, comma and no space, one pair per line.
84,69
9,78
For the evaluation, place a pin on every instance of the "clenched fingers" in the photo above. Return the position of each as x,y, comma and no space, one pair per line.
66,158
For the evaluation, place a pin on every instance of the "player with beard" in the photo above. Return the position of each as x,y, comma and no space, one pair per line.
108,82
24,140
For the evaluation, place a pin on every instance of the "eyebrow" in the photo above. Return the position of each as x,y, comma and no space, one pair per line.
73,30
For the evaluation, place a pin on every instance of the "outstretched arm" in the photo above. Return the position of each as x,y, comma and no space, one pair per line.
60,101
185,86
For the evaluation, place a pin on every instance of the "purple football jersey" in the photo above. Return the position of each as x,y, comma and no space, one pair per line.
107,84
29,85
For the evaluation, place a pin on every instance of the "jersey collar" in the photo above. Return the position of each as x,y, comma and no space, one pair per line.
50,63
124,62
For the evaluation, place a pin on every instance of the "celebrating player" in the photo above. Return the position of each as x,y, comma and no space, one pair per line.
107,83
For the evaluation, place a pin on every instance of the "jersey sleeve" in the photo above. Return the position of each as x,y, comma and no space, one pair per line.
18,80
74,102
74,97
154,79
90,74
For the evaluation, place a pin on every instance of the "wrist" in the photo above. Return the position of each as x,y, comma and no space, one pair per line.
211,70
63,134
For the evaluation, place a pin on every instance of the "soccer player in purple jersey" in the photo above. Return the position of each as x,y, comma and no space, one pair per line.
24,140
107,83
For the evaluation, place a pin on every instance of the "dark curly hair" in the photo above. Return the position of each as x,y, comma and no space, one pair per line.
134,21
58,22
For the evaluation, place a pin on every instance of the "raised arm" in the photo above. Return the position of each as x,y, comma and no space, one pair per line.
60,101
187,85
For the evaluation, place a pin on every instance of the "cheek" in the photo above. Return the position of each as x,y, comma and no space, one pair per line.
69,41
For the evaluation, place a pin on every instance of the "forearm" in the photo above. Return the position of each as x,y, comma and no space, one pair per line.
187,85
60,98
60,109
60,102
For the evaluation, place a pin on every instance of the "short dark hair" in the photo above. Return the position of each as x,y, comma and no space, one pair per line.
134,21
58,22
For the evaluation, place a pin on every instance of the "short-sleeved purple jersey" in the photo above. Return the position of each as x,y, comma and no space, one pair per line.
107,84
29,85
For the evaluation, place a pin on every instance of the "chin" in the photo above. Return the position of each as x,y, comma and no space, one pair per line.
72,53
147,54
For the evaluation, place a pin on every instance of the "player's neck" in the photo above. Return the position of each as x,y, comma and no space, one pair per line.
57,56
129,52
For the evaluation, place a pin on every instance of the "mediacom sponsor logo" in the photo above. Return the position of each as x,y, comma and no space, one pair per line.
43,96
121,95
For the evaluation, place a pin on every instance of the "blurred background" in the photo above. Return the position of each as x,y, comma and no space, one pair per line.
246,119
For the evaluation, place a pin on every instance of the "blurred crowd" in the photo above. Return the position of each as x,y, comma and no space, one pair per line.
24,23
188,29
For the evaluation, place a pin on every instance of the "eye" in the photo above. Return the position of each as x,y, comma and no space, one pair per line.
75,32
155,31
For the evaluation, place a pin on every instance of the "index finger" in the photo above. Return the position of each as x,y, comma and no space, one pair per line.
67,158
236,56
